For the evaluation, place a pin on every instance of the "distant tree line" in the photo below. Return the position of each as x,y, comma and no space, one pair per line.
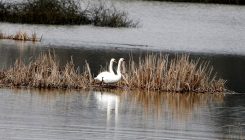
238,2
63,12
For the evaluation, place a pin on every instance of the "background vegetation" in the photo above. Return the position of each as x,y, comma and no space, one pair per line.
63,12
239,2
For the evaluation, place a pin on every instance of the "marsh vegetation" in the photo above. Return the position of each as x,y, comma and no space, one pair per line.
45,72
21,36
153,72
159,72
60,12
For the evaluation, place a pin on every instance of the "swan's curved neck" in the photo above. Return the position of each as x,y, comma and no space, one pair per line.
111,67
119,68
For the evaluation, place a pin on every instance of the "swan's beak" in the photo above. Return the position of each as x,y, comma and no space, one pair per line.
115,61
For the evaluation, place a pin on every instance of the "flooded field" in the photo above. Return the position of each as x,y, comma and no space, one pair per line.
213,33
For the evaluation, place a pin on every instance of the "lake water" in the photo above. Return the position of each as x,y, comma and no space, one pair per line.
34,114
213,33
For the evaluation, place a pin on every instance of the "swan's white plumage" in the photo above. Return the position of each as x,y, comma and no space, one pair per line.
105,75
111,77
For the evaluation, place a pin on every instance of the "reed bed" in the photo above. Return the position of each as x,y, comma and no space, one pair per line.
152,73
21,36
159,73
45,72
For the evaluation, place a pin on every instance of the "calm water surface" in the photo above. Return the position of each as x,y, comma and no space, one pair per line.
33,114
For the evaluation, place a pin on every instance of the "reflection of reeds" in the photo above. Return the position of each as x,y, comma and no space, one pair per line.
45,72
164,104
180,106
176,75
22,36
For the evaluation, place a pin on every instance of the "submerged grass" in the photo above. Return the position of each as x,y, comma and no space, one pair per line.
61,12
153,72
22,36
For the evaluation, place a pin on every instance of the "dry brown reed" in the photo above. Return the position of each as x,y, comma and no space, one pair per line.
158,72
21,36
153,72
45,72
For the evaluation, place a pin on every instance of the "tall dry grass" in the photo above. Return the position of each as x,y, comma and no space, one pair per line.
153,72
158,72
22,36
45,72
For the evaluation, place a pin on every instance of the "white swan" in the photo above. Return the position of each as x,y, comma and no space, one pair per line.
106,77
100,76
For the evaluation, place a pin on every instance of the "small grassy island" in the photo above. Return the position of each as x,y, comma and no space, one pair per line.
63,12
151,73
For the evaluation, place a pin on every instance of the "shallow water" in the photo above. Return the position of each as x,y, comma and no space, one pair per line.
33,114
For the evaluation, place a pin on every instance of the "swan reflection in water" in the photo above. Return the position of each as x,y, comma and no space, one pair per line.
110,102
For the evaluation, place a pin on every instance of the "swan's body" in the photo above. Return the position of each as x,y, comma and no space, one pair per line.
111,77
102,75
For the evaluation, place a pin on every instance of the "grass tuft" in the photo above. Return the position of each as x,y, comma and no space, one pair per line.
181,74
45,72
22,36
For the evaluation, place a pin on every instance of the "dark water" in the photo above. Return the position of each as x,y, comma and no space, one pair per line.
34,114
228,67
